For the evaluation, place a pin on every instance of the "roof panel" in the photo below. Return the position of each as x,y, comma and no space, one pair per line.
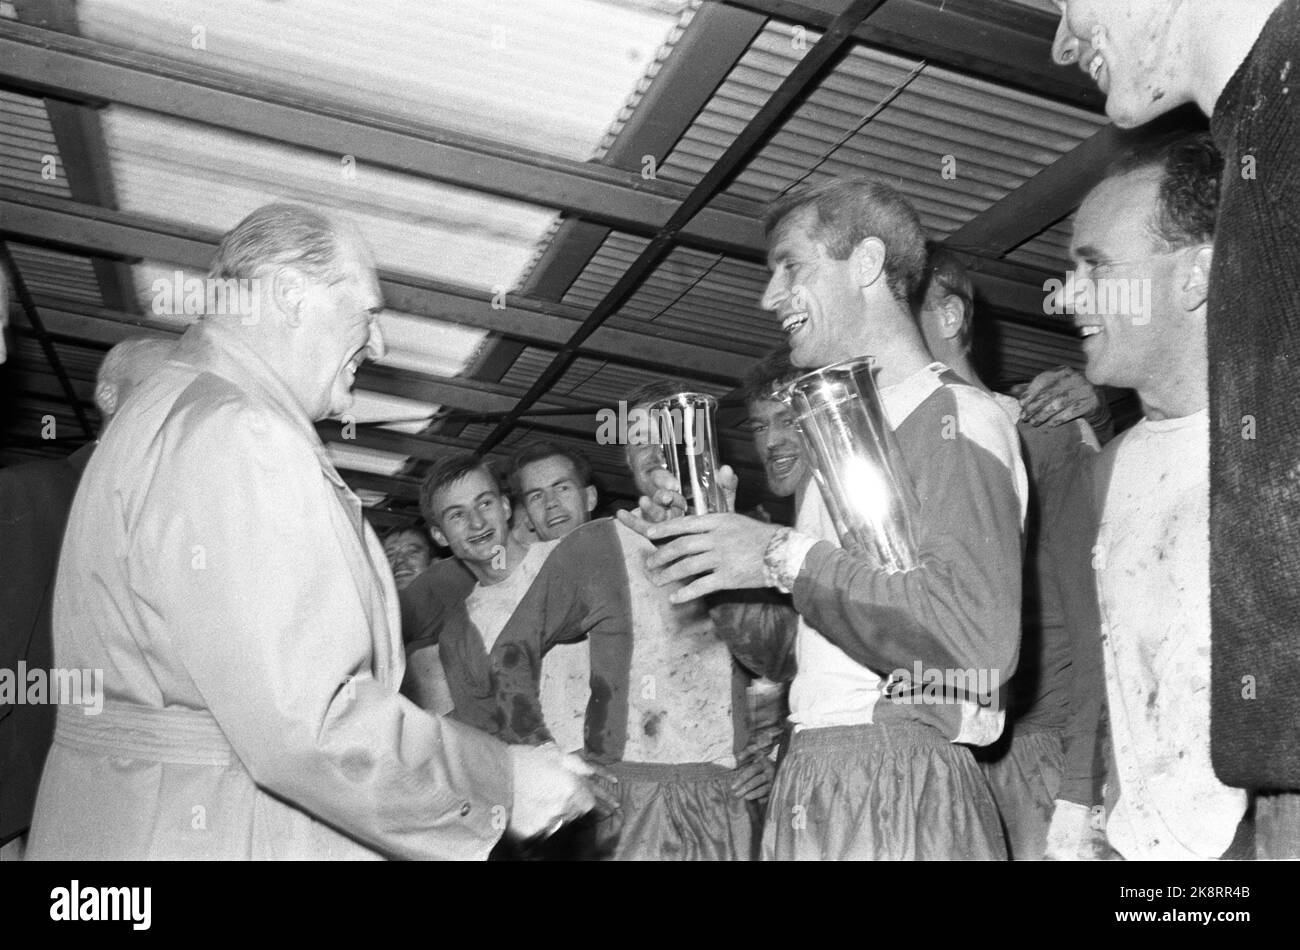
470,66
183,172
693,296
952,144
29,157
55,274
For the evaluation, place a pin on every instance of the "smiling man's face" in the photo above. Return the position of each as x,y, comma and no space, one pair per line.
1136,51
779,445
472,518
1113,241
814,296
337,330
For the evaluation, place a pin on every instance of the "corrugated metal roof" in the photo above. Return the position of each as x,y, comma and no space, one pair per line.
562,79
592,382
56,274
1049,250
470,66
952,144
29,157
188,173
691,296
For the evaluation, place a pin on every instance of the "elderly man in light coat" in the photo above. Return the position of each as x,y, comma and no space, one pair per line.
219,572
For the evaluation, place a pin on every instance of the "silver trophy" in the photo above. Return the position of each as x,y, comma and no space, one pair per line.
855,460
682,425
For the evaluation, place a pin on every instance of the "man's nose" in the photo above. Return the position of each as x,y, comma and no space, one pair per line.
375,346
773,294
1065,47
782,440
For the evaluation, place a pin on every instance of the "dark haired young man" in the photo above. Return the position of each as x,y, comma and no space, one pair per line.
453,612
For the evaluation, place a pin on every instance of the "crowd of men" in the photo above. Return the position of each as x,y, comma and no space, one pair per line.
653,685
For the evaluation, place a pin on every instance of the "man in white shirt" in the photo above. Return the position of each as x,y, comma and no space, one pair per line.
1144,237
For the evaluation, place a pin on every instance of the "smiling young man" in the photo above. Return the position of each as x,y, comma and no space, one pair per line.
1152,220
1237,61
874,770
453,612
772,425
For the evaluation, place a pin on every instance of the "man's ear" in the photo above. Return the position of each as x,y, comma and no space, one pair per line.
952,316
591,498
868,261
439,538
505,503
289,291
1196,288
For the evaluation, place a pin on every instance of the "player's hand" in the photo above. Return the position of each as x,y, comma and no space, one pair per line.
722,552
752,779
1057,396
550,789
665,500
603,783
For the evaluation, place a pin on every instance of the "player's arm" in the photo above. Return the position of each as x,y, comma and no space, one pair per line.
960,607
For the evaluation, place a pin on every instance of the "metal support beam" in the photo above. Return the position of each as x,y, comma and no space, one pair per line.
1041,201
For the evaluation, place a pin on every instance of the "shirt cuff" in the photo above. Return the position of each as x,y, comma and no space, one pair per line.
796,551
784,558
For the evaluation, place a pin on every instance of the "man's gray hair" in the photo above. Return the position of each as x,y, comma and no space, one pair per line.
280,235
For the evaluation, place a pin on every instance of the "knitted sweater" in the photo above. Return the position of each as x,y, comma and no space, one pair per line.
1254,351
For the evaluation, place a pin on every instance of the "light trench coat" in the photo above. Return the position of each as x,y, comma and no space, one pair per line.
220,573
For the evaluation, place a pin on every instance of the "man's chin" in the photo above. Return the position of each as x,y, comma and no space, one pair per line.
1129,114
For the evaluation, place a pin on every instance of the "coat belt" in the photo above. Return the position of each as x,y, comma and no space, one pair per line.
175,736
